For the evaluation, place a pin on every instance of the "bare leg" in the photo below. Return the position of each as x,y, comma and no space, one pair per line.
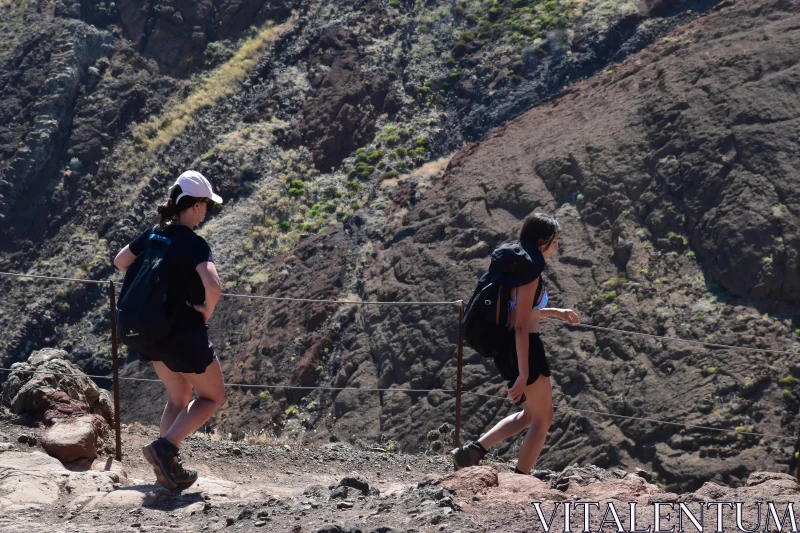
179,393
539,403
510,425
210,390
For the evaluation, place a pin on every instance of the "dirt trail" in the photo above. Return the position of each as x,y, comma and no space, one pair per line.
333,488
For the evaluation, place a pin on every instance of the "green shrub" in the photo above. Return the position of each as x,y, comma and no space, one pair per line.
691,255
285,225
419,151
613,283
353,186
788,381
421,142
291,411
375,156
389,175
363,170
391,139
401,152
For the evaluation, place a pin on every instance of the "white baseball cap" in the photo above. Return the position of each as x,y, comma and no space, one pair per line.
192,183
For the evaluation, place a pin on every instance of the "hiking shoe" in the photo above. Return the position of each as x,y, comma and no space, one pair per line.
184,477
160,454
468,455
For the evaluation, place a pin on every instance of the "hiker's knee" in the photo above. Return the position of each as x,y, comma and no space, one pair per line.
215,395
526,416
543,420
179,394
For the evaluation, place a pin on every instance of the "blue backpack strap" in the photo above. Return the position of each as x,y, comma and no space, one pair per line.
158,238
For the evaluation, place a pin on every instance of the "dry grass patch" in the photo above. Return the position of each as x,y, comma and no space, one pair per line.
222,83
434,169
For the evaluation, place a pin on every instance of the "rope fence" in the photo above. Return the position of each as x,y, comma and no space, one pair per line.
458,391
424,391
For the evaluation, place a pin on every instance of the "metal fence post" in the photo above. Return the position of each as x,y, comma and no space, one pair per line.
458,378
112,296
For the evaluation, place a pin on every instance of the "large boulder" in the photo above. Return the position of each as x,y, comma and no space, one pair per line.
76,415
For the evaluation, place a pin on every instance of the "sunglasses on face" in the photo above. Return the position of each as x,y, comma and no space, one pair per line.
209,203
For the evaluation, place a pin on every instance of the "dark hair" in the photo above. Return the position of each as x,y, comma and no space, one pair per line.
539,229
169,211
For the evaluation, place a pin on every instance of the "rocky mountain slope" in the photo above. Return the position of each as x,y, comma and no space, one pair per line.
331,135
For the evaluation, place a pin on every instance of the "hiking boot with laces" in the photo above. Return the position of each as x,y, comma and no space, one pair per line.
160,454
184,477
468,455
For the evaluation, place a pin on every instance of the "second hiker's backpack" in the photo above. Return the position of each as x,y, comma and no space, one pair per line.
486,316
144,314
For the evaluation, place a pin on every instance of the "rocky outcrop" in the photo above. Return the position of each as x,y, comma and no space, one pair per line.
39,98
345,103
175,32
77,417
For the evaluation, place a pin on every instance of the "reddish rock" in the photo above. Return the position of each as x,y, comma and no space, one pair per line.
71,439
75,415
473,480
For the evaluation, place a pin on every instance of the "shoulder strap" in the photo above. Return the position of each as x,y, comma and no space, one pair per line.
539,291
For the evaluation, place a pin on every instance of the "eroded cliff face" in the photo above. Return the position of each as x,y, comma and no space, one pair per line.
329,135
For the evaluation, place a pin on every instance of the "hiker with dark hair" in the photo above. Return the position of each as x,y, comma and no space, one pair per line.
173,334
528,377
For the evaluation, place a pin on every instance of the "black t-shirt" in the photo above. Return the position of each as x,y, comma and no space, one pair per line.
187,250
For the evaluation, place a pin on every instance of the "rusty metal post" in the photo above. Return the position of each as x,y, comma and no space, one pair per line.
459,375
112,296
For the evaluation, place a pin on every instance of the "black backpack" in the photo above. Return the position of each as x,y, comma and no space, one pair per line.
144,314
486,316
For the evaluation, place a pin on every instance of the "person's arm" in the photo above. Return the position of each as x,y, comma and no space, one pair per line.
124,259
210,278
525,296
567,315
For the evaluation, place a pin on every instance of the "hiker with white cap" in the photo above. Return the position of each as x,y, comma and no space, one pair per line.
170,327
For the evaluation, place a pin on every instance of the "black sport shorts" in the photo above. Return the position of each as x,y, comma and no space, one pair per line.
186,349
506,360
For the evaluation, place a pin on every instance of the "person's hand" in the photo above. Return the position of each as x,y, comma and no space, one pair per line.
203,310
567,315
516,391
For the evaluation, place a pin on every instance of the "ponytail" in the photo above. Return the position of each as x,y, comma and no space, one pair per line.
169,210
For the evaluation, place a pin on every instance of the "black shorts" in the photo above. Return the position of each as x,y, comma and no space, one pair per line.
506,360
186,348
